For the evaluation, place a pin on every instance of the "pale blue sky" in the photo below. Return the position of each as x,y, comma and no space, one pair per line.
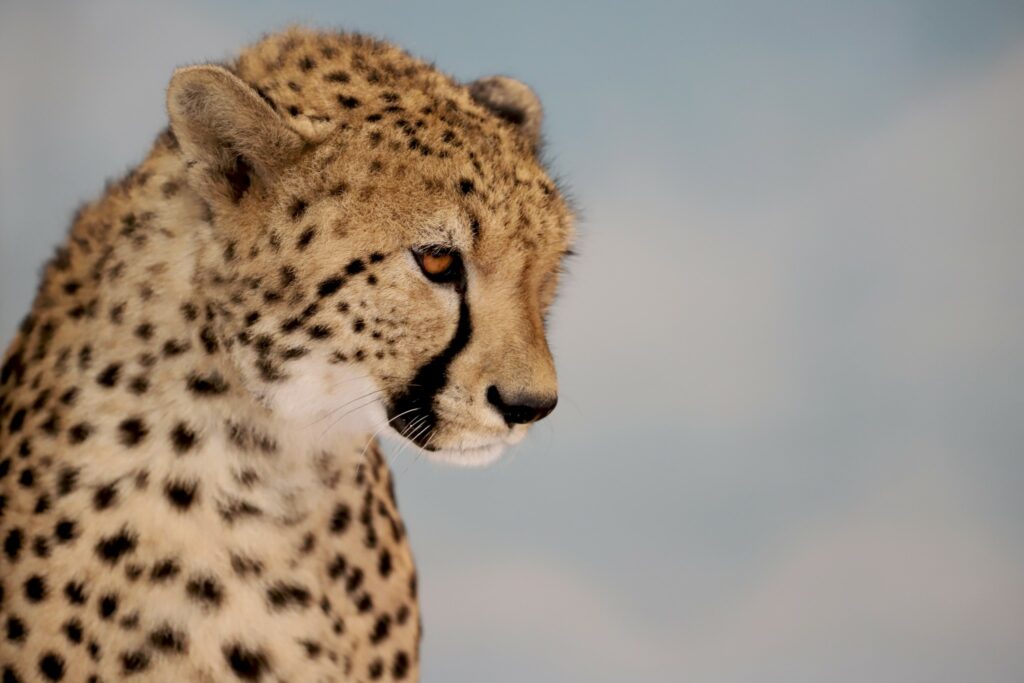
789,445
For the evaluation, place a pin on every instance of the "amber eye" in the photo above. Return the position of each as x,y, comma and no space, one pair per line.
439,264
436,264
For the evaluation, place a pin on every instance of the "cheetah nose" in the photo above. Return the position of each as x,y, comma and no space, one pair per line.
523,408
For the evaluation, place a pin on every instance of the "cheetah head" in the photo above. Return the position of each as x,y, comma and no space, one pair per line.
385,259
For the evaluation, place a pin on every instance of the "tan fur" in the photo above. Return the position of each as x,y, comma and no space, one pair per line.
187,416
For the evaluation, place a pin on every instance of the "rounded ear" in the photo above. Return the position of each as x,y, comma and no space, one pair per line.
225,127
513,101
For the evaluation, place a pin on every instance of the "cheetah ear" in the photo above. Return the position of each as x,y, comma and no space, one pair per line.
513,101
231,133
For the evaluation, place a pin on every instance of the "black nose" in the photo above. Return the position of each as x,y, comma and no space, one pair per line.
523,408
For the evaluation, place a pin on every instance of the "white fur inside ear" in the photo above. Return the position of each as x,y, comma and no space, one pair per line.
511,100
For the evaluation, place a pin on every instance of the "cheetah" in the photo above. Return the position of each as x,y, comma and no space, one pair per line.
331,242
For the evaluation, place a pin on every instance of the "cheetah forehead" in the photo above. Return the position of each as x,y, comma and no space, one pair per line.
394,111
324,81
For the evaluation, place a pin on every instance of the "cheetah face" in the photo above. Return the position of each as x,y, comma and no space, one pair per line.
392,276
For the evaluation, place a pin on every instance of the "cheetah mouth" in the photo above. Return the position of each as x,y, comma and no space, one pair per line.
471,456
476,455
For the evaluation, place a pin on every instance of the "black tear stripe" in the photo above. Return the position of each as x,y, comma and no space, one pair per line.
431,378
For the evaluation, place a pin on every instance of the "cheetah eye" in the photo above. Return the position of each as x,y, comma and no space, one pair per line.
439,264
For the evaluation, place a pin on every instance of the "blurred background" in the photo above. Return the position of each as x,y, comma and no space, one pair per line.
790,442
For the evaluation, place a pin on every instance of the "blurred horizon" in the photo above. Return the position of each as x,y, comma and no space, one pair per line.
791,349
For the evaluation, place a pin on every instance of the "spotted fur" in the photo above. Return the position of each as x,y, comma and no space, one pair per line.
190,483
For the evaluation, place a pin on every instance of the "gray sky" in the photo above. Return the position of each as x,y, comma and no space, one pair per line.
789,441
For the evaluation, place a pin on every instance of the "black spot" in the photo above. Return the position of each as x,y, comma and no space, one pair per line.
52,425
17,421
35,588
247,438
51,665
330,285
174,347
65,531
139,385
209,385
104,496
74,591
319,332
337,77
109,376
190,311
269,372
288,275
132,431
359,325
355,580
230,510
305,237
209,339
27,477
381,629
384,564
12,544
341,518
400,667
312,648
79,433
182,438
205,590
355,266
73,630
67,480
376,257
16,630
168,639
134,661
245,663
348,102
306,63
376,669
181,494
294,352
144,331
108,606
465,186
284,595
164,570
297,209
112,548
244,566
